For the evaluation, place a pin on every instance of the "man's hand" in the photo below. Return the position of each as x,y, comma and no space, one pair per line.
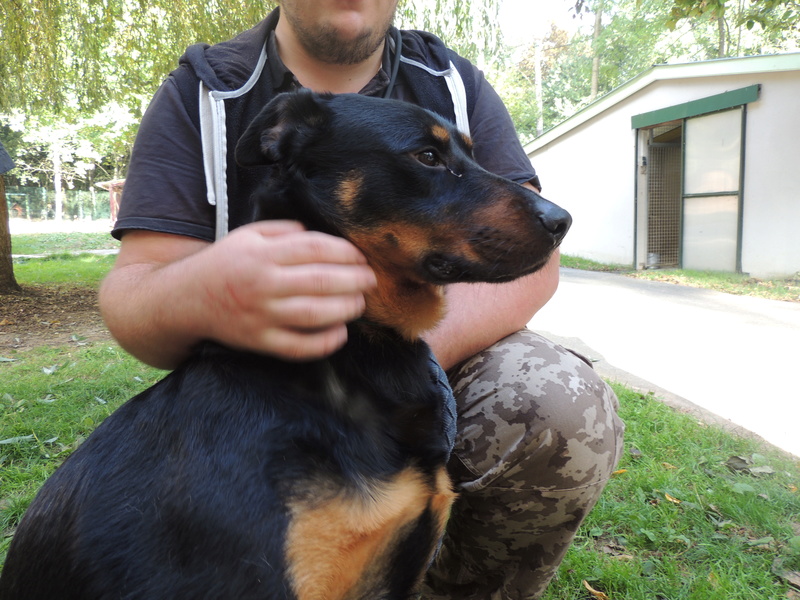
269,287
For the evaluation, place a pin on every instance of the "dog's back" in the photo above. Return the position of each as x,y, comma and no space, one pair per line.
242,476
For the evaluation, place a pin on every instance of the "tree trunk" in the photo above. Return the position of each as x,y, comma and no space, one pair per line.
721,36
59,200
8,283
537,83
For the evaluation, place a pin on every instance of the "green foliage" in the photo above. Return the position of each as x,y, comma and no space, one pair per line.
96,51
38,202
769,14
633,36
470,28
585,264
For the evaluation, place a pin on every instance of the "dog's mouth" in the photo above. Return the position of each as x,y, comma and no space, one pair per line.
442,268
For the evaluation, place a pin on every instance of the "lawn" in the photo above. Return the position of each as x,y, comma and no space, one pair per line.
694,512
57,243
784,288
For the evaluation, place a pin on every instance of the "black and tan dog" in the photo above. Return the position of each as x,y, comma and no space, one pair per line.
241,476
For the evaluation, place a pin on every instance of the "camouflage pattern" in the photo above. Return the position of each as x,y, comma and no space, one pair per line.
538,438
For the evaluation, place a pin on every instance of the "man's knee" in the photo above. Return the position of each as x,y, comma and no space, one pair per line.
533,415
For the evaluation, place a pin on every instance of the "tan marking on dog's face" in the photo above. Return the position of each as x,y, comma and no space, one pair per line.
403,299
441,134
348,190
467,140
338,547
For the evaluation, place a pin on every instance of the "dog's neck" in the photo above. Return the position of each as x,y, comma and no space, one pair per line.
408,307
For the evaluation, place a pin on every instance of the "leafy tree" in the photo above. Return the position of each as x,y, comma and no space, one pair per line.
470,28
620,39
64,149
96,51
775,15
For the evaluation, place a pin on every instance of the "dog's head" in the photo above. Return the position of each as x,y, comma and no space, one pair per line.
400,183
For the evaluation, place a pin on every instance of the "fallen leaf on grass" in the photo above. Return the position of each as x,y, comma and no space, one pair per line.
672,499
6,322
615,551
16,440
597,594
764,543
738,463
619,472
746,464
666,465
790,577
743,488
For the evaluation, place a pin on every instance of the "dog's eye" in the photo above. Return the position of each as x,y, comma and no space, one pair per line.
429,158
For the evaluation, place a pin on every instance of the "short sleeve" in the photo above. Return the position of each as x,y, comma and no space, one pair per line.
496,145
165,188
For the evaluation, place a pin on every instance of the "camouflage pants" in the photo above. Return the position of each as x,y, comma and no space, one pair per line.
538,437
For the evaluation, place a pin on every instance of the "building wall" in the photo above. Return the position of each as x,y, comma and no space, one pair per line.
771,212
591,171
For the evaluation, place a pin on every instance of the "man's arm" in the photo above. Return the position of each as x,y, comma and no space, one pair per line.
269,287
480,314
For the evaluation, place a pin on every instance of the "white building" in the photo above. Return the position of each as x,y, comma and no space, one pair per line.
690,165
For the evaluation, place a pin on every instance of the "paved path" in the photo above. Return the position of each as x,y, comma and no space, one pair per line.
735,356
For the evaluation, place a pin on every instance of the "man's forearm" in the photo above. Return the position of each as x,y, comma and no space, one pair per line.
145,318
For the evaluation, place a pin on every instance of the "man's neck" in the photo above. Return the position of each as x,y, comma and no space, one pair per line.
320,76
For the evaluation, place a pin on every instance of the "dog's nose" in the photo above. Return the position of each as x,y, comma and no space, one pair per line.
555,220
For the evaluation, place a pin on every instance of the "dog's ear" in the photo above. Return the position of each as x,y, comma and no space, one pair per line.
283,128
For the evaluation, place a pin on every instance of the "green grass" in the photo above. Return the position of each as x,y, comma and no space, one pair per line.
786,289
50,400
57,243
676,522
85,270
66,261
585,264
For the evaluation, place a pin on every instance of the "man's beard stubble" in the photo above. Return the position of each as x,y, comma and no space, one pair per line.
325,44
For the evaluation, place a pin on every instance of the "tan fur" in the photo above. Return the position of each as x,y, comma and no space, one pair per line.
348,191
409,307
401,300
441,133
334,544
